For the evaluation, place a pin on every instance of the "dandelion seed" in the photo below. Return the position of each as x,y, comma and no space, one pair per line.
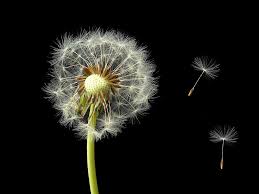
207,67
100,80
225,134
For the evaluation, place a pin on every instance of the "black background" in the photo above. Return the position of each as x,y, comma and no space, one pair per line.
169,150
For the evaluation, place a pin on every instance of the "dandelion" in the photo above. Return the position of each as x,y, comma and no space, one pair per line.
207,67
99,81
227,134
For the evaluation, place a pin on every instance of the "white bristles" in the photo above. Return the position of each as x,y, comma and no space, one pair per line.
110,50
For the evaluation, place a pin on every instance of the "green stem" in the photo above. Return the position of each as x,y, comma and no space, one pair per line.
90,152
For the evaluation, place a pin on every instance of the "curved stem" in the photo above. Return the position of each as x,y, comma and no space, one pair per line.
90,152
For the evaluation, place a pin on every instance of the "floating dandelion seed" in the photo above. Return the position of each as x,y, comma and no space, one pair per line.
227,134
99,80
207,66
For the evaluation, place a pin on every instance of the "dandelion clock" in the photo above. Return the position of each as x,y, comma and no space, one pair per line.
99,81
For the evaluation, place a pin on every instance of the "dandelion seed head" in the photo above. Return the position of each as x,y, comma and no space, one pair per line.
206,65
106,69
226,133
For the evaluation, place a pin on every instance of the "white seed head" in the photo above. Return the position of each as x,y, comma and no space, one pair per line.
226,133
207,65
106,69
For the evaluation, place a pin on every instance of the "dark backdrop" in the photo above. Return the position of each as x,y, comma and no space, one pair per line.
169,150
